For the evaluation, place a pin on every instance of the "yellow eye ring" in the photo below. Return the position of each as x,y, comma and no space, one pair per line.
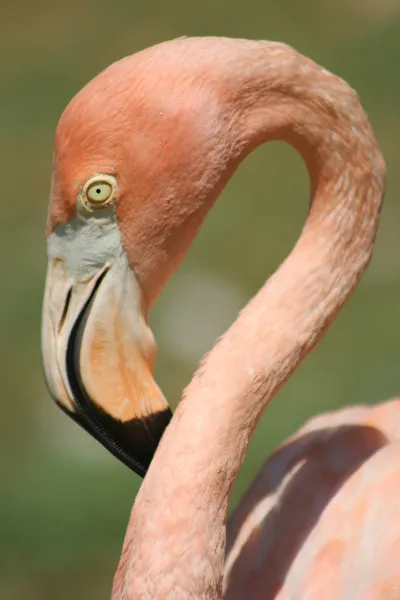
99,191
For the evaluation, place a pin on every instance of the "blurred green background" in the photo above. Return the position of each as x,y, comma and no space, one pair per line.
64,501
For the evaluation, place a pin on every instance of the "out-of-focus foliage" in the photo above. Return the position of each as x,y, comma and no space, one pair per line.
64,501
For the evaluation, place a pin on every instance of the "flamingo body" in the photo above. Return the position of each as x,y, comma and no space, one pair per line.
321,520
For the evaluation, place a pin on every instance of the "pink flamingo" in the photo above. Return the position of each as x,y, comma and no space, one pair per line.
141,154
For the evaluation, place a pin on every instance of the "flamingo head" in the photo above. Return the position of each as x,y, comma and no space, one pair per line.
137,153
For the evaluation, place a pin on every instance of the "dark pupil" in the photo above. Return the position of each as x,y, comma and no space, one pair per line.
98,191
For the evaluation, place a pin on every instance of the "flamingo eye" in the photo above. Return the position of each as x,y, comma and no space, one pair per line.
98,191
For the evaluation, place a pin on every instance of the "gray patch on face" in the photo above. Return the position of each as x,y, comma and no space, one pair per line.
86,243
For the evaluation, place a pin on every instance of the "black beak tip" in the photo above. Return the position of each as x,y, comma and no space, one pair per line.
142,436
133,442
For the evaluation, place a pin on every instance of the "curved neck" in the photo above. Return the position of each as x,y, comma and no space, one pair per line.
176,536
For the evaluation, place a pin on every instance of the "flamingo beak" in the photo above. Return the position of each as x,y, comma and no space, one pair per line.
98,355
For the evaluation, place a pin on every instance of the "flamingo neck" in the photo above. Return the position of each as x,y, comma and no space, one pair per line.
175,541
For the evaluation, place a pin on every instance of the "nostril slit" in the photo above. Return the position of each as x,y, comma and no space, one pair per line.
65,311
